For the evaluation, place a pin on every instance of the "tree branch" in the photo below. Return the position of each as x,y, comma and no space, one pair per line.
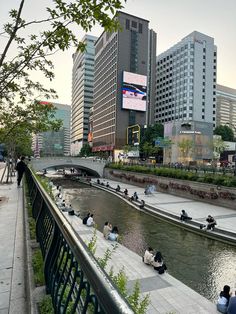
13,33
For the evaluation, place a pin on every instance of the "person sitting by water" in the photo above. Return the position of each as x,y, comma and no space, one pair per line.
113,235
90,221
98,181
126,192
184,216
107,185
107,229
85,219
232,305
134,197
223,301
211,223
158,263
118,188
148,256
142,204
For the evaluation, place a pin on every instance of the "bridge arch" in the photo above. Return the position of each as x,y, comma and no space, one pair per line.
89,166
80,169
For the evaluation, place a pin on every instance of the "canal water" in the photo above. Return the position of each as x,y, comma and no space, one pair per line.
203,264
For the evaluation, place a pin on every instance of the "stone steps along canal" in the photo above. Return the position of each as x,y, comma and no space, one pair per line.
203,264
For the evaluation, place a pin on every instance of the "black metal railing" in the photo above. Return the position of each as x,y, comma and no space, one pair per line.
73,278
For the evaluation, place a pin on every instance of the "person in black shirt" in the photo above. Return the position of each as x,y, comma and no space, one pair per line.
20,168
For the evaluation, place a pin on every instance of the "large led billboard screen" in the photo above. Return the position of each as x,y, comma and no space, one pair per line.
134,91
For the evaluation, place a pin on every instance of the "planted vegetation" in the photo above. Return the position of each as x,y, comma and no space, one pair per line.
217,179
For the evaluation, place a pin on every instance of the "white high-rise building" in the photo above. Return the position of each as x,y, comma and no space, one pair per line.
82,93
226,107
186,81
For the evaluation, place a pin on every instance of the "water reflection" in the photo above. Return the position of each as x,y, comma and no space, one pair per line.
203,264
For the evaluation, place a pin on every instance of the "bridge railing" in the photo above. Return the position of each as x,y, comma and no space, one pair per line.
73,277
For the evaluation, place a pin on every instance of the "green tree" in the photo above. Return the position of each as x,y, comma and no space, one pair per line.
218,147
150,149
150,134
18,123
86,150
225,131
185,148
29,45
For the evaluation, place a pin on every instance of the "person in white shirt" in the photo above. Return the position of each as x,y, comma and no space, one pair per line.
90,221
148,256
107,229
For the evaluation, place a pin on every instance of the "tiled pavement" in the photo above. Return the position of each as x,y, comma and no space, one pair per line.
12,271
167,294
226,217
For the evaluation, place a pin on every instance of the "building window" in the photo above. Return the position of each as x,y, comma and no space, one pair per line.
134,24
127,24
203,117
140,28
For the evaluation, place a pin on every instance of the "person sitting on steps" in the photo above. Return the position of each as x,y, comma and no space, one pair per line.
158,263
148,256
118,188
113,235
134,197
142,204
184,216
211,223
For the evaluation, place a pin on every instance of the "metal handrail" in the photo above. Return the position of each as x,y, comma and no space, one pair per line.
54,233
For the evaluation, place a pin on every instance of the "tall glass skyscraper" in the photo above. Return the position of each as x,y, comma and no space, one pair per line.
82,93
53,143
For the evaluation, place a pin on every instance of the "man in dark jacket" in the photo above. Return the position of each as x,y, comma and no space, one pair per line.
20,168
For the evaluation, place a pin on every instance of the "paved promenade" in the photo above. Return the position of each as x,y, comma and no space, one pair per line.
225,217
167,294
12,271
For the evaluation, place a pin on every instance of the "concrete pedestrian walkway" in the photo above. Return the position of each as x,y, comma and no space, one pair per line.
12,267
167,294
225,217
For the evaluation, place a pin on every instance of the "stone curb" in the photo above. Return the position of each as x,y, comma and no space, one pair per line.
219,234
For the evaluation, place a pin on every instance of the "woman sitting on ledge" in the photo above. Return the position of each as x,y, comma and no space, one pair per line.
113,235
158,263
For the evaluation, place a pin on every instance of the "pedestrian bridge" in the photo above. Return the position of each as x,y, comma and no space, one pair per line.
86,165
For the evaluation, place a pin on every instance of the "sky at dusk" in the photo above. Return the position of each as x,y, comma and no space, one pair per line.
171,19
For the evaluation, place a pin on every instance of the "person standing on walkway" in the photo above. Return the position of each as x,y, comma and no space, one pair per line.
20,168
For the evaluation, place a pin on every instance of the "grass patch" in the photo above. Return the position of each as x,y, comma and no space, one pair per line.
32,228
45,306
37,262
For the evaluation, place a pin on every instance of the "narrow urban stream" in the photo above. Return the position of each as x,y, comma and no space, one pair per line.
203,264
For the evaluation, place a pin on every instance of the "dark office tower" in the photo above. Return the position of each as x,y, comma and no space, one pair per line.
120,82
151,77
82,94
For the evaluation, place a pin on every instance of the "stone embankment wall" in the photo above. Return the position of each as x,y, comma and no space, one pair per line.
209,193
